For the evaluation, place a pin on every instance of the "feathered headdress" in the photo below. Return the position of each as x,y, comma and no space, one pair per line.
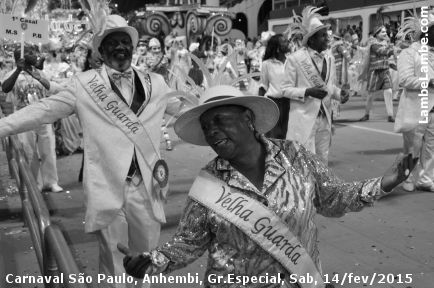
310,23
410,27
97,12
294,27
379,19
193,90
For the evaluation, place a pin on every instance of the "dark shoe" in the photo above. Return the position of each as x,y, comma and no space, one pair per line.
364,118
426,188
390,119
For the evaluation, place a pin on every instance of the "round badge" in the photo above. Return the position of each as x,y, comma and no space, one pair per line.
161,173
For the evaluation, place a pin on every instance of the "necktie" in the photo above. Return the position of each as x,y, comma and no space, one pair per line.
324,69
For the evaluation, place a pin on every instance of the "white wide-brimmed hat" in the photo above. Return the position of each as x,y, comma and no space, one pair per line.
188,127
114,23
309,24
314,26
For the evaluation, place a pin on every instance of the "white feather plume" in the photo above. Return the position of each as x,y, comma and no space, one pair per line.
301,25
97,12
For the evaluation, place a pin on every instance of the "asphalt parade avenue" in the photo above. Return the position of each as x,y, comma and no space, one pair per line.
394,238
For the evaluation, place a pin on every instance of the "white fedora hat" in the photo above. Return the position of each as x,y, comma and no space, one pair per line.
114,23
314,26
188,127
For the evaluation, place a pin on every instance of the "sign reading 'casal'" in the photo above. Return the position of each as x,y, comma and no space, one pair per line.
35,30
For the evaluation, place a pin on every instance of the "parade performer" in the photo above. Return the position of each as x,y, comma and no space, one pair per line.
340,50
139,58
28,85
156,61
121,111
272,75
310,84
68,131
253,206
378,76
417,127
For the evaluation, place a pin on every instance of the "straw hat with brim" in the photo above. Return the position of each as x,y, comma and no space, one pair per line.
188,127
114,23
315,25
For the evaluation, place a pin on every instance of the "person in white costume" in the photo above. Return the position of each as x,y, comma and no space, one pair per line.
121,110
310,84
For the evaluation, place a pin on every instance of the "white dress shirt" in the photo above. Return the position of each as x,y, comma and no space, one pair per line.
125,85
272,75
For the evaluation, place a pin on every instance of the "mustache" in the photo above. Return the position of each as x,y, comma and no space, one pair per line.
122,50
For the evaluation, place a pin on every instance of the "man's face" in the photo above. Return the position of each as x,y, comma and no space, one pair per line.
142,50
319,41
382,35
117,50
284,44
355,41
226,130
156,49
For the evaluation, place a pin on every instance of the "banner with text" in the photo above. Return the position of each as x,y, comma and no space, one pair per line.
35,30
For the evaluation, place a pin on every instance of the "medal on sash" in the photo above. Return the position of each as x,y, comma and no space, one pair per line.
161,173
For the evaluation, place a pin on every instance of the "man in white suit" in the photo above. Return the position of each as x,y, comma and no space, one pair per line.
416,76
121,110
309,83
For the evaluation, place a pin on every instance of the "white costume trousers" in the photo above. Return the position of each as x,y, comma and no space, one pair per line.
388,101
319,139
134,227
420,142
40,144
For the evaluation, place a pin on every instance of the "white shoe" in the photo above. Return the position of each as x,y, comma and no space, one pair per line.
408,186
55,188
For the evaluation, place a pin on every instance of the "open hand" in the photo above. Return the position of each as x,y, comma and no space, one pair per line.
398,172
137,265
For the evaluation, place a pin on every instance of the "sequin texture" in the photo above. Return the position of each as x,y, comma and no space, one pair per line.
296,186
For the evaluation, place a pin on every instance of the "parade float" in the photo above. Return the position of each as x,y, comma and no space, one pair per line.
183,18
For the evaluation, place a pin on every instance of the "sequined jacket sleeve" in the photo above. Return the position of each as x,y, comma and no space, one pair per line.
333,196
191,239
381,50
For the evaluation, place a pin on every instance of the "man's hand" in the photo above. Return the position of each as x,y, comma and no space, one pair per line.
316,93
21,64
345,96
7,108
398,172
137,265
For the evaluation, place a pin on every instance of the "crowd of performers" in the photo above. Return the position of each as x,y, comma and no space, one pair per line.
111,94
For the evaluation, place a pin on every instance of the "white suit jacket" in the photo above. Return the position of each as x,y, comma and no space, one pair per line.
304,110
108,151
409,73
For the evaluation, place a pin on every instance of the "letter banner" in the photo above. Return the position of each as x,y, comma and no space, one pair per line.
35,30
263,226
121,115
305,65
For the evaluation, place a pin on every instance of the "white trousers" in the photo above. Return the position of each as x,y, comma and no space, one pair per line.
40,144
420,142
134,227
319,139
388,101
